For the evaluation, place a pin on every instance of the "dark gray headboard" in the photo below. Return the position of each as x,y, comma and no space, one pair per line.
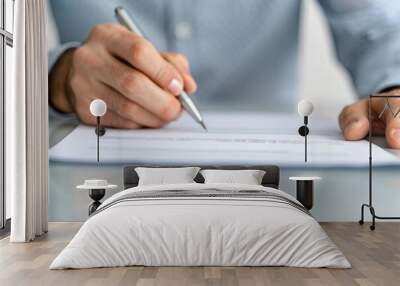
271,178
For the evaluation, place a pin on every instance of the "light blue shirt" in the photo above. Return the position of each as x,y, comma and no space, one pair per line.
245,52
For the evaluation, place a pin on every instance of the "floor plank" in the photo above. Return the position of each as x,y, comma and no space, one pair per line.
375,257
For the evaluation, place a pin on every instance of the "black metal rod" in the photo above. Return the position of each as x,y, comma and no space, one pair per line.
370,148
98,137
383,95
362,213
305,146
305,137
387,217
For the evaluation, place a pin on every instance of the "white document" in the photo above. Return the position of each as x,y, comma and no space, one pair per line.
232,138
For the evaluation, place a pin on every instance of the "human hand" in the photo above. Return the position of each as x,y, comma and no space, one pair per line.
354,123
138,83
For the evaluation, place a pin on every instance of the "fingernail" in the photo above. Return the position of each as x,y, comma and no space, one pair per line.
175,87
396,134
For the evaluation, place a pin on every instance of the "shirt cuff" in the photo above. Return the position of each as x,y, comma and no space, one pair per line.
389,80
54,114
55,53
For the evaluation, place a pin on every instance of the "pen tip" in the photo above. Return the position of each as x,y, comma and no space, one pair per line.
204,126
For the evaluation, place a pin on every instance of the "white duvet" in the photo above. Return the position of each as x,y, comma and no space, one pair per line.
200,231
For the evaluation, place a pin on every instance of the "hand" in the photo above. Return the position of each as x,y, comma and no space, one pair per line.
354,123
138,83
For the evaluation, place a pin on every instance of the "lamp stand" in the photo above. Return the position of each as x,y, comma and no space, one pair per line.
305,137
100,131
303,131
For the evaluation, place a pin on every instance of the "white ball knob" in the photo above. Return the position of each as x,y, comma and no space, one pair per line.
98,107
305,107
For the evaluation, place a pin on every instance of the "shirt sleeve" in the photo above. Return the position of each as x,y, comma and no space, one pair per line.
366,35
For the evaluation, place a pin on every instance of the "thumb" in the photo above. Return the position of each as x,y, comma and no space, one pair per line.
181,63
353,120
392,119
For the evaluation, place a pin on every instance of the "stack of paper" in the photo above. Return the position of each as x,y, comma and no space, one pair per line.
233,138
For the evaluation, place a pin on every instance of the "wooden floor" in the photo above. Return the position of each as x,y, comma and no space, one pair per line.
375,257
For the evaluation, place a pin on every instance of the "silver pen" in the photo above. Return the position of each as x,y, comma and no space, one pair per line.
124,19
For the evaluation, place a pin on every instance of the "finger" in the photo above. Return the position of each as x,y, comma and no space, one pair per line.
392,121
128,109
137,87
178,60
181,63
353,121
112,119
87,92
346,118
378,128
142,55
190,84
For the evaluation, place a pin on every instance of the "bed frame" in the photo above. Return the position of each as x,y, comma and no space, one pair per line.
271,178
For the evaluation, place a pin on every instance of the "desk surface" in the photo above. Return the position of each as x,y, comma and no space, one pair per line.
340,192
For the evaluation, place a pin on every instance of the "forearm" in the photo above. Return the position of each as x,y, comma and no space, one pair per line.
58,90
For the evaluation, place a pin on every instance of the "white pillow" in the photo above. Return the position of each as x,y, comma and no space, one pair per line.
165,176
248,177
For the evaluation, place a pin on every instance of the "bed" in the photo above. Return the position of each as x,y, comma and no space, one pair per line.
198,224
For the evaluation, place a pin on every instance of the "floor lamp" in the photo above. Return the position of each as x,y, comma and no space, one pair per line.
97,187
98,108
387,107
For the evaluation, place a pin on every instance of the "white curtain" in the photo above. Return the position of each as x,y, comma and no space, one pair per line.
27,124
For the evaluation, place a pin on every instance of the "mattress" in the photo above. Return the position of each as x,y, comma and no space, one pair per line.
201,225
